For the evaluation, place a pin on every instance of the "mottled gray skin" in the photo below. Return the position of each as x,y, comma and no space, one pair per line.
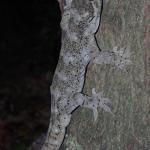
79,24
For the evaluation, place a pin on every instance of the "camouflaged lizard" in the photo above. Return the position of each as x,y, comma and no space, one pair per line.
80,21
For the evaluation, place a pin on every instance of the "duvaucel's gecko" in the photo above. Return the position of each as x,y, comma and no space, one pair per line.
80,21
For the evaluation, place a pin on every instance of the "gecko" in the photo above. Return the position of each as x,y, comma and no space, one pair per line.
80,22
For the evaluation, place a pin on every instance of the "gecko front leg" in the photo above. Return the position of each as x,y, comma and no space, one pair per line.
119,57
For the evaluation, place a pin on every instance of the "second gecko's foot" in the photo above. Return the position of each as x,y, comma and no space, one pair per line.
97,100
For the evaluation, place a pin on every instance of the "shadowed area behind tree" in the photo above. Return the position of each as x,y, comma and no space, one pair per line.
29,48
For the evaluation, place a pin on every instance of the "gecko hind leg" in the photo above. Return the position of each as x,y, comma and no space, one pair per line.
97,100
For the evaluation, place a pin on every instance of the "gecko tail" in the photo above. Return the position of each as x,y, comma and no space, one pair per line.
55,137
56,132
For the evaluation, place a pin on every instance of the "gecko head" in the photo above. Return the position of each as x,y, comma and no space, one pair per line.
65,120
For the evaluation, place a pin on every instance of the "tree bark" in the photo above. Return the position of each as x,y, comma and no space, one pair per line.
124,24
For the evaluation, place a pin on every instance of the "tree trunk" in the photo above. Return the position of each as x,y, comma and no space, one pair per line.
124,24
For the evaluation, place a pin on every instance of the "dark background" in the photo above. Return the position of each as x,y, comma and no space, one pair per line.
29,48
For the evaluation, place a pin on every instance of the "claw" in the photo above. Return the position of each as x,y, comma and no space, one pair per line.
93,91
95,112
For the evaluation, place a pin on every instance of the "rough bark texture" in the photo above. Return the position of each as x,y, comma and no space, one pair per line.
124,24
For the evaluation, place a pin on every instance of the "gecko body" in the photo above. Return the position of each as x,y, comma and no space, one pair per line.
79,25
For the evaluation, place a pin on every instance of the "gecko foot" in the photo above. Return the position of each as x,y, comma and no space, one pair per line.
97,100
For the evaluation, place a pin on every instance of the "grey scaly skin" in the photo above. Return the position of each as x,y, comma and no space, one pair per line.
80,21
